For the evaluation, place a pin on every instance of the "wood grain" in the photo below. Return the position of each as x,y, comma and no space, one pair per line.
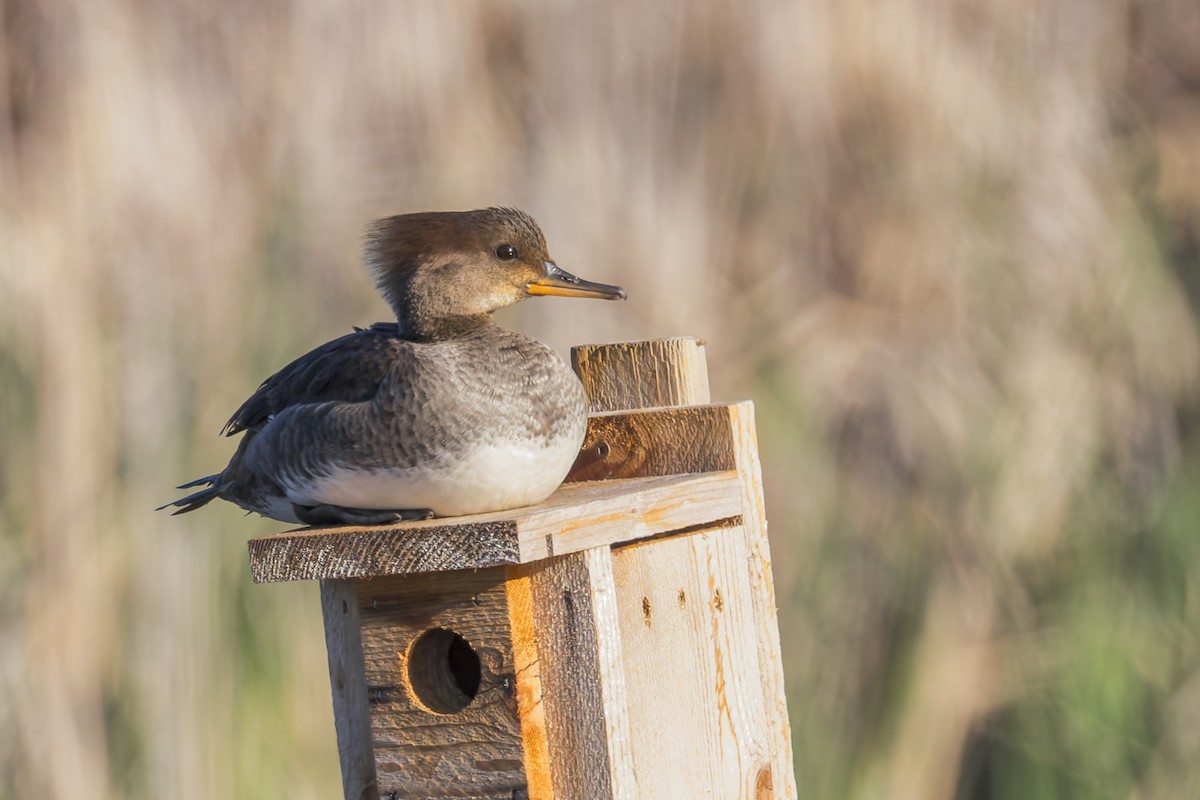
405,548
647,374
689,381
663,441
576,517
351,709
523,624
754,517
476,752
582,676
600,517
692,666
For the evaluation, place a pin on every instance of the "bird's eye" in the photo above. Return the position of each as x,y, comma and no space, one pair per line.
506,252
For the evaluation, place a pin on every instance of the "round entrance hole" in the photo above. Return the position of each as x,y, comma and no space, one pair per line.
443,671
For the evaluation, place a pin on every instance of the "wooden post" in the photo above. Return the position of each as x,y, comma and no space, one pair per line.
617,641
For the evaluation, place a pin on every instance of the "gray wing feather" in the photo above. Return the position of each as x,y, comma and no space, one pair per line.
349,369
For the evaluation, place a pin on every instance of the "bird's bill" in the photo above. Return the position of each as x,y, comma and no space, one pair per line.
558,281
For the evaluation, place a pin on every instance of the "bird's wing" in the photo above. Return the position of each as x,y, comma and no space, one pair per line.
348,368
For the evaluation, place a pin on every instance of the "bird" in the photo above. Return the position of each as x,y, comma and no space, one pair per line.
441,412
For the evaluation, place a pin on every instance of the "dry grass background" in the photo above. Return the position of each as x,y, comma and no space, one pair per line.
949,247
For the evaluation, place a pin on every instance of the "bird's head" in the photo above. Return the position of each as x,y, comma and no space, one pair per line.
437,269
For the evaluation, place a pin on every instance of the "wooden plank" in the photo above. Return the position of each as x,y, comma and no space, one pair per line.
434,735
662,441
648,374
576,517
405,548
582,677
770,657
617,392
527,668
351,710
691,667
659,506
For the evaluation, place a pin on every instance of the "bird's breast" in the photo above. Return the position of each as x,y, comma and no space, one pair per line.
485,476
488,423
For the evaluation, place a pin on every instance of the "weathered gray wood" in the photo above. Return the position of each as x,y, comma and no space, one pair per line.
405,548
351,709
576,517
434,752
582,676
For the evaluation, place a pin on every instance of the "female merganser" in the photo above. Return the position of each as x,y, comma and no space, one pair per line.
440,413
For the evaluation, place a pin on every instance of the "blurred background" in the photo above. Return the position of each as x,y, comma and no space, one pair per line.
950,248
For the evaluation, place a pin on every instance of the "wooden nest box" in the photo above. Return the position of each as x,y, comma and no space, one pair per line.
617,641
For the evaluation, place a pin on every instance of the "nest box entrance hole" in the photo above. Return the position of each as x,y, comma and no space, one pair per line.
444,671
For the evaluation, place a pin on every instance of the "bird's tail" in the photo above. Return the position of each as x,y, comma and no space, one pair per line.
195,499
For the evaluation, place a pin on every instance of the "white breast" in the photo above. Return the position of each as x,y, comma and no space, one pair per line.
487,477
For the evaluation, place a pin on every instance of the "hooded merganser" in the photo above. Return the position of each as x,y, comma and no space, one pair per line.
439,413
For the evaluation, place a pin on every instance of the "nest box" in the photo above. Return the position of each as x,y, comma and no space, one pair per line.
617,641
